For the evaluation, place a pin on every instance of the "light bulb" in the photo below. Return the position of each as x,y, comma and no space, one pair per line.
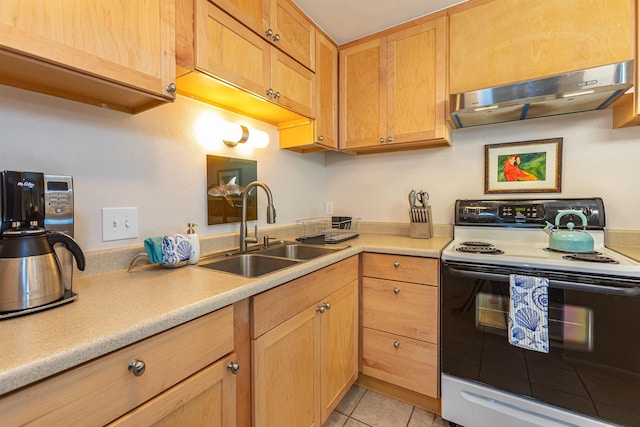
258,138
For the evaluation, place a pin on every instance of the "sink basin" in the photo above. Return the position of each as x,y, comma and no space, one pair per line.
298,251
250,265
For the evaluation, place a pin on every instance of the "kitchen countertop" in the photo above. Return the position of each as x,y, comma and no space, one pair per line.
117,309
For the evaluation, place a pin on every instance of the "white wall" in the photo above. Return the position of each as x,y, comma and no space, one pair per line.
597,161
151,160
154,161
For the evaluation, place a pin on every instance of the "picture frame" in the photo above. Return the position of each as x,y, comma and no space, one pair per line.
523,167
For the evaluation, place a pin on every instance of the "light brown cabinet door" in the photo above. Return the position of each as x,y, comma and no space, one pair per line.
402,361
393,90
501,42
326,132
229,51
417,83
293,85
207,398
339,345
285,379
292,32
125,45
363,95
252,13
401,308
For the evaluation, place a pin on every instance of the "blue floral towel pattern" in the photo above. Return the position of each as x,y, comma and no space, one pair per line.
175,248
528,322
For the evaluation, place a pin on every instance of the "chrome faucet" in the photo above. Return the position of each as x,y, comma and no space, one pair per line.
271,213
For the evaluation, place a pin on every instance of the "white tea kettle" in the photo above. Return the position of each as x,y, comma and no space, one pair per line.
569,240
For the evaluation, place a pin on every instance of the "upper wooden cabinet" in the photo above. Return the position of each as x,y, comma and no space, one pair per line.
278,21
393,90
322,133
626,111
507,41
117,55
217,56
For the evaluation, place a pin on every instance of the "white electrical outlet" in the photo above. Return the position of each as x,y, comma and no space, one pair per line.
328,208
119,223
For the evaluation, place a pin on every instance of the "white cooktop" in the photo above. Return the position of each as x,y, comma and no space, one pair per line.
526,248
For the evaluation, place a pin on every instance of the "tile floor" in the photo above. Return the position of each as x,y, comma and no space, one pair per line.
366,408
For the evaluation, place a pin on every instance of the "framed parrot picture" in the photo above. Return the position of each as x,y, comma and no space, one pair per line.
523,167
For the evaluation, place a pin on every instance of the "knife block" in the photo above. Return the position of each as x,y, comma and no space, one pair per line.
422,229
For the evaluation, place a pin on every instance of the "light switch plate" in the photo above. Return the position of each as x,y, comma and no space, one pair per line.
119,223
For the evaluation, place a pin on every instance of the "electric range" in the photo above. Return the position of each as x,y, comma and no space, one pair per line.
586,371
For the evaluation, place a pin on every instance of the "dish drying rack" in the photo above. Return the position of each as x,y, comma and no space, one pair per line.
330,229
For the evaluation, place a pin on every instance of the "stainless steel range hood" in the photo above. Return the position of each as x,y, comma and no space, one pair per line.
585,90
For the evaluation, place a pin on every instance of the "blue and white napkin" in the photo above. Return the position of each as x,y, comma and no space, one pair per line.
528,312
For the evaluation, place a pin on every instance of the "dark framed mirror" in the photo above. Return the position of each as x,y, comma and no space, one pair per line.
226,179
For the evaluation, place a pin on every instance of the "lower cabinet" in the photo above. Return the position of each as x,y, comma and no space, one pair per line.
183,374
400,321
305,347
207,398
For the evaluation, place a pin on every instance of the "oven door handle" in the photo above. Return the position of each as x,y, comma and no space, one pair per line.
586,287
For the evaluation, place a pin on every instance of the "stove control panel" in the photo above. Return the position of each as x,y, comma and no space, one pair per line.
522,212
527,212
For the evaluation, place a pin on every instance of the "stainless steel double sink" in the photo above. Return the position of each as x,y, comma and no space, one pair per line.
265,260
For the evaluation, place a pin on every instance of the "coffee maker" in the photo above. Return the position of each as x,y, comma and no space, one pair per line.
36,242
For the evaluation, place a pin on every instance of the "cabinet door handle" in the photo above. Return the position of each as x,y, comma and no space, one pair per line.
381,140
396,264
276,38
233,367
137,367
171,88
396,344
276,95
268,33
321,138
390,139
321,308
396,291
269,92
327,305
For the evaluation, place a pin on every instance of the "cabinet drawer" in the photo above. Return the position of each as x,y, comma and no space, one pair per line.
412,365
401,308
402,268
78,396
276,305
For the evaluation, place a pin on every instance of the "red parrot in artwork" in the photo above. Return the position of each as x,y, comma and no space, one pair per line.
512,171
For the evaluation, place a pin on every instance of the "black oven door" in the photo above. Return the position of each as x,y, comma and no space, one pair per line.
593,364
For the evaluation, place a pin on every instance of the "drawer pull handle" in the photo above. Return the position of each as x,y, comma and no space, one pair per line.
396,291
396,264
233,367
137,367
396,344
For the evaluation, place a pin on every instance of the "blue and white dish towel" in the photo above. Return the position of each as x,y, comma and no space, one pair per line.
528,312
168,249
